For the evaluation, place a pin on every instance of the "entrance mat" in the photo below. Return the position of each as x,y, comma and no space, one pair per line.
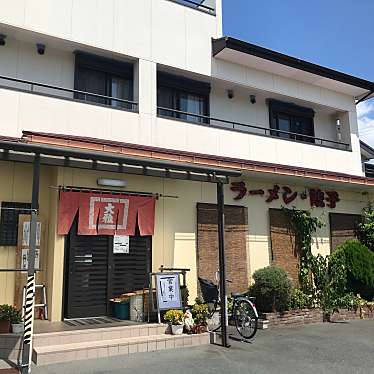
90,321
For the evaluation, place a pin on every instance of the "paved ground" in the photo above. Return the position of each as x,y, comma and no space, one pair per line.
340,348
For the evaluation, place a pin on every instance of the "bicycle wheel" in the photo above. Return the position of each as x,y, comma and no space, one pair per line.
212,308
245,319
214,319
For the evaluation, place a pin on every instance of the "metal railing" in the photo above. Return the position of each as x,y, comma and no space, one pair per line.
249,129
76,95
199,5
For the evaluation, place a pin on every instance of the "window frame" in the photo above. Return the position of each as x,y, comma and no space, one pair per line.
295,113
111,69
183,86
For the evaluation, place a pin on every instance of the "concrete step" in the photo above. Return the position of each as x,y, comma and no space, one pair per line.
53,354
97,334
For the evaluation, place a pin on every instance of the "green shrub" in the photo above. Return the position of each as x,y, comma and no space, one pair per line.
365,228
300,300
10,313
272,289
350,301
359,263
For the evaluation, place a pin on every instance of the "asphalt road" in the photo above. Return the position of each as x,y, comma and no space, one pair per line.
339,348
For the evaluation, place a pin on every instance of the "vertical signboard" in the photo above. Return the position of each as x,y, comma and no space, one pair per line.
168,291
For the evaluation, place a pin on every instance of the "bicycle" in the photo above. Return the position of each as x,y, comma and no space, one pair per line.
243,311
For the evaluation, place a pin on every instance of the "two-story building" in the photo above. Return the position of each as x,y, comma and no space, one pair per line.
148,98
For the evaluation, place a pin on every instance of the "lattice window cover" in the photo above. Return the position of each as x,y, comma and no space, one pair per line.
9,221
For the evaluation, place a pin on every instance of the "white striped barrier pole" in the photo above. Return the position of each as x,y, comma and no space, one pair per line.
30,288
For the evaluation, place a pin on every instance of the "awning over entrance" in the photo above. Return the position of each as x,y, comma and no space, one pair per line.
20,151
250,168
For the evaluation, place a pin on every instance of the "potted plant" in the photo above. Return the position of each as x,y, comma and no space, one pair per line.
200,313
16,321
5,318
176,320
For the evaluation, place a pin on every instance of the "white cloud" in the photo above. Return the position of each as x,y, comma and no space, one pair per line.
365,116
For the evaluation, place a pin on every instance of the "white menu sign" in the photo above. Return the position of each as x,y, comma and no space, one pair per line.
121,244
26,233
168,291
25,259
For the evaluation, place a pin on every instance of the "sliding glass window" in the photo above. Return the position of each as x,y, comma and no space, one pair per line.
104,77
182,98
291,121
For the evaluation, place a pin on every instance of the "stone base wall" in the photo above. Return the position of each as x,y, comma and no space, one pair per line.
346,315
302,317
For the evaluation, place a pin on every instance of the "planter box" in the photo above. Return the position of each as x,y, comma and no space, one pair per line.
4,327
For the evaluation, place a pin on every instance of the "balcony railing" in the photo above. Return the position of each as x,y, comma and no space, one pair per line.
248,129
67,93
202,5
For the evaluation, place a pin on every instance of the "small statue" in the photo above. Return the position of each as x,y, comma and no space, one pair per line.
188,321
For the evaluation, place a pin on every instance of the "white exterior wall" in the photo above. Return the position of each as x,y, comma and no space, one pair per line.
25,111
292,89
19,59
154,30
239,109
137,30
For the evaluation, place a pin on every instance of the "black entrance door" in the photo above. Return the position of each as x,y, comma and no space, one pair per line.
94,274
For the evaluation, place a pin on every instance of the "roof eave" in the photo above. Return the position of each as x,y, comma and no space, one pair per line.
218,45
367,150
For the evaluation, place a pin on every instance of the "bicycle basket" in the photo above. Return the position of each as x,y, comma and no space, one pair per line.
209,290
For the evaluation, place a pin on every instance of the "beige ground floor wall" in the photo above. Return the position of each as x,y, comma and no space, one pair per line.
174,242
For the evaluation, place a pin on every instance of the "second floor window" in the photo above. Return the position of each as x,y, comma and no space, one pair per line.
292,121
104,77
182,98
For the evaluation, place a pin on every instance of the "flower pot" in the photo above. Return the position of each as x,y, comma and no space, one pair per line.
200,329
17,328
4,327
177,329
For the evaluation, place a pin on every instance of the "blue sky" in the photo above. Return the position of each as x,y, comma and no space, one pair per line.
335,33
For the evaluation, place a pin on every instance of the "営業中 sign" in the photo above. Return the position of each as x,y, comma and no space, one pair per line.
168,291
